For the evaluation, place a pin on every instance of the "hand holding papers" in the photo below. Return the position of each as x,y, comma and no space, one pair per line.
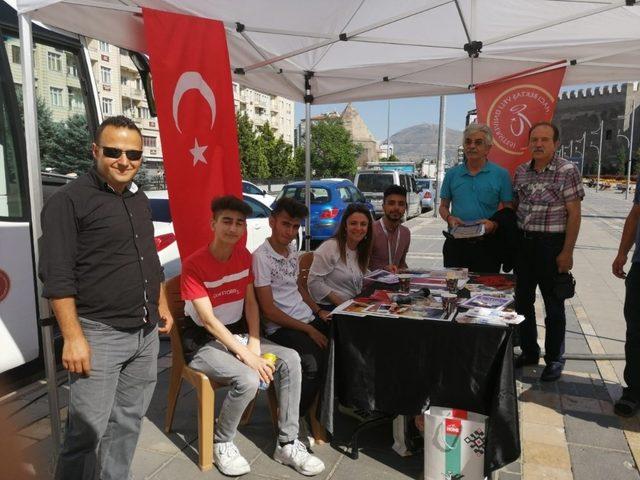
468,230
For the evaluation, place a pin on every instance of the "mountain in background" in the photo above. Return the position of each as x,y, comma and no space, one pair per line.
421,141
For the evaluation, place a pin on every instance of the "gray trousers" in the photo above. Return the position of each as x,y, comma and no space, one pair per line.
106,408
220,365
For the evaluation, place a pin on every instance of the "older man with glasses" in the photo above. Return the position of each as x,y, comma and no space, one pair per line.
472,192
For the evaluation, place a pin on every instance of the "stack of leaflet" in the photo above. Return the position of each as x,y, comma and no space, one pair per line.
490,316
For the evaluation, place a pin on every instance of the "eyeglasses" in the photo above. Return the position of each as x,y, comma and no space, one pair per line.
477,142
112,152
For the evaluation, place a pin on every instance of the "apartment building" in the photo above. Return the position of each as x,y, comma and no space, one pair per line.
121,92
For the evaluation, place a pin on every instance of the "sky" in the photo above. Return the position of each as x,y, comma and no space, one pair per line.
407,112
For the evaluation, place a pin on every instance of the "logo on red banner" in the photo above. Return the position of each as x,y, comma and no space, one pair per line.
512,114
453,427
511,106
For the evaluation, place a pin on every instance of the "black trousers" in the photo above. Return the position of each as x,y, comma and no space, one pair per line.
476,254
632,344
536,267
312,357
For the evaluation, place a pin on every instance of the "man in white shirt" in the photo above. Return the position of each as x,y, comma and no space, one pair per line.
294,320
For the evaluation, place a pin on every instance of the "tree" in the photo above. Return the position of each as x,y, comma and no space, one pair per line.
392,158
253,160
333,151
71,151
46,127
278,153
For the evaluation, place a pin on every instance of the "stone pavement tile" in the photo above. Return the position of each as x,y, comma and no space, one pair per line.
38,430
547,399
146,462
580,404
550,435
595,430
585,366
379,464
547,455
185,469
541,472
153,438
536,413
264,466
515,467
39,458
591,463
508,476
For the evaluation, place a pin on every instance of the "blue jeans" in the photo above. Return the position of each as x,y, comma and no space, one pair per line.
106,408
632,344
536,267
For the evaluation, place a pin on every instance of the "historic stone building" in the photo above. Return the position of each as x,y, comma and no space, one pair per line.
578,115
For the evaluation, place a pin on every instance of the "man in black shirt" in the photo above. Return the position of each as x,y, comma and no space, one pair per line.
101,272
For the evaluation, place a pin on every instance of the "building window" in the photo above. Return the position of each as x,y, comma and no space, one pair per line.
123,80
105,74
56,96
104,47
72,66
75,99
138,84
143,112
107,106
148,141
54,61
15,54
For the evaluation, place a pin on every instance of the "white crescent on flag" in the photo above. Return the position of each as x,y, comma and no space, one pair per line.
193,81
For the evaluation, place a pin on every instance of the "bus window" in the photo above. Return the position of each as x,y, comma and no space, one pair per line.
12,197
64,131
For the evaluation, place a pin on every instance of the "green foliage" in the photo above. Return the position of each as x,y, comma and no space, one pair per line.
392,158
278,152
621,163
253,159
333,151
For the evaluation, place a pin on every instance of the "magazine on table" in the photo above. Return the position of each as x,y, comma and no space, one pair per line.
490,316
488,301
426,310
468,230
382,276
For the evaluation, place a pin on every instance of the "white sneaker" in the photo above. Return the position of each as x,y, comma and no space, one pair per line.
295,455
304,433
228,459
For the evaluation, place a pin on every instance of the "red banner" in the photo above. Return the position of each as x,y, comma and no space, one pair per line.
194,98
510,106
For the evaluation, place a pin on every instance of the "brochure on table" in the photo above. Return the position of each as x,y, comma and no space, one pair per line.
424,308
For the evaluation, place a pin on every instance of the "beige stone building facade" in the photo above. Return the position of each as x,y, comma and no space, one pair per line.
120,91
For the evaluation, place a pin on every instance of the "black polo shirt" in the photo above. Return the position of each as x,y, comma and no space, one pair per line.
97,246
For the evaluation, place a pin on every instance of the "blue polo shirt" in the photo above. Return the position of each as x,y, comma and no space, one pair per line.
476,196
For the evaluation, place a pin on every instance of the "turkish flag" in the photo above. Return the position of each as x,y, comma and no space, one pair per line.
194,99
511,105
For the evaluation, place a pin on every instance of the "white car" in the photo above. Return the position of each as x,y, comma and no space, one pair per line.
257,193
257,230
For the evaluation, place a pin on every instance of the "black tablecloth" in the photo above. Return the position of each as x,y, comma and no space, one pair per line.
396,365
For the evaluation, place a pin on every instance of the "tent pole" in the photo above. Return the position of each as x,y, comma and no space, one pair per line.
600,154
35,197
633,116
308,98
440,159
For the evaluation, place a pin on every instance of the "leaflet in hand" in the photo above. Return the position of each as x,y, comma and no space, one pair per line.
468,230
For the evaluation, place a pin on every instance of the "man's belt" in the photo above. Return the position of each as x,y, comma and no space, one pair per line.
541,235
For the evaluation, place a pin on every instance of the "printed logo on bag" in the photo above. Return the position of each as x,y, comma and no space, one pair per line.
453,427
5,285
475,441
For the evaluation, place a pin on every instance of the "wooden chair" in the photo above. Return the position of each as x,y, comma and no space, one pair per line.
205,387
317,430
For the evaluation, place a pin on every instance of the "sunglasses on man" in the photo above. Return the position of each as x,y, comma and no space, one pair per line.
112,152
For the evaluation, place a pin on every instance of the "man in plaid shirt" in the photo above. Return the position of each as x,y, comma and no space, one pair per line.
548,191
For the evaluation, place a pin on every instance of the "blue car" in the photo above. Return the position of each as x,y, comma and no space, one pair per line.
329,199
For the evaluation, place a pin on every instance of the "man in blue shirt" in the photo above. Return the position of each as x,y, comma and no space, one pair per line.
473,191
628,404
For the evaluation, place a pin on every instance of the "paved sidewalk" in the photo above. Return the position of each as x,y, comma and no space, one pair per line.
568,428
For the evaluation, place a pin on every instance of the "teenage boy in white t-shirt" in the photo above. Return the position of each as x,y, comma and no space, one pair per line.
295,320
217,286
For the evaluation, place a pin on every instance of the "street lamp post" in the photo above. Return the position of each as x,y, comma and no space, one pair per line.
629,140
582,140
599,149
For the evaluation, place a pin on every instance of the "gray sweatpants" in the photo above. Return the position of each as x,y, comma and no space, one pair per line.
106,408
220,365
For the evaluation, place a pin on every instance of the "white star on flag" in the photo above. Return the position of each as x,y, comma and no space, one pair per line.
198,153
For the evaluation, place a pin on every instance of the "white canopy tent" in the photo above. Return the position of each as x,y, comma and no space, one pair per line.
346,50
